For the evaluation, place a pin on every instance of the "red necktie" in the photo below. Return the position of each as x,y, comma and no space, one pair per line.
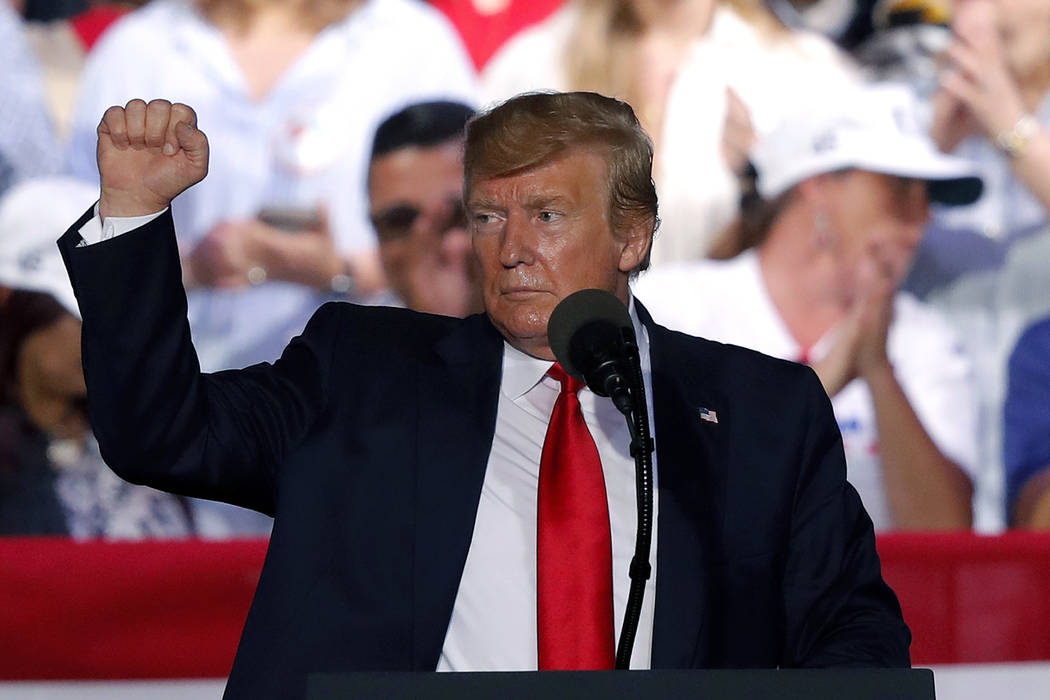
573,543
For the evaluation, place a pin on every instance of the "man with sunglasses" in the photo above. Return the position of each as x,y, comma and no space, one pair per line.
415,199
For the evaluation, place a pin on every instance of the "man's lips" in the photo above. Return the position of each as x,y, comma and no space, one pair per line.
520,292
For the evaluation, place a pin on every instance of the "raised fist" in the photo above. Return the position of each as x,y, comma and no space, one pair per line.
147,155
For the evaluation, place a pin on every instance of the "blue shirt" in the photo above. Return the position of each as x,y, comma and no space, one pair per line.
1026,413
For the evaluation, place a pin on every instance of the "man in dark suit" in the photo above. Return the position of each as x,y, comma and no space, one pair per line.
400,453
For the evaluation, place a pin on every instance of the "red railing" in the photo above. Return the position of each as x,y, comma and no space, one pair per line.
174,609
970,598
165,609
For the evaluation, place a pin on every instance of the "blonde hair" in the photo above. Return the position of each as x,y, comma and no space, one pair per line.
312,15
529,130
600,56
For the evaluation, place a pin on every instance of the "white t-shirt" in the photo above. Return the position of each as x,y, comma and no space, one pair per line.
727,301
305,143
698,194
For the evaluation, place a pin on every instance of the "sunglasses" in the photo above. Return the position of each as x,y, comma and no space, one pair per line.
397,221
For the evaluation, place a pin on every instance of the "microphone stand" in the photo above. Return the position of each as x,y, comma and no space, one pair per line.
637,417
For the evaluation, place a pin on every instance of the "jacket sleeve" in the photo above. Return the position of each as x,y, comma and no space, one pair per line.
159,421
839,611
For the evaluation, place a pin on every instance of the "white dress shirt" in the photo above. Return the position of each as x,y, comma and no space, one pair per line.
493,625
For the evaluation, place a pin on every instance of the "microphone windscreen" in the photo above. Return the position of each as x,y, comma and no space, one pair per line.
588,307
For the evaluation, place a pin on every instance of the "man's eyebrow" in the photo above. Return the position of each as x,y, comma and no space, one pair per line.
482,203
542,200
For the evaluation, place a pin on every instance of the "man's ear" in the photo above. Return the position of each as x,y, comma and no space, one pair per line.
638,239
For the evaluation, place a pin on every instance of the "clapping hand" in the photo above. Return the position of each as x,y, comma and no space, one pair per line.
978,93
239,252
226,256
860,341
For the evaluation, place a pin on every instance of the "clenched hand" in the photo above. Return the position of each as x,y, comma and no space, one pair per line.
147,155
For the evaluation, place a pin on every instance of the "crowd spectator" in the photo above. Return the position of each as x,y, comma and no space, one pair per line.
291,99
415,194
675,62
28,147
844,188
1026,429
993,107
52,477
983,265
61,43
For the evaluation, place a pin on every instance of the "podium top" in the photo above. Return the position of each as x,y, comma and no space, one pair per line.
800,684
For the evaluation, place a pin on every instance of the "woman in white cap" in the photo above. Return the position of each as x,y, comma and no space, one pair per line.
843,192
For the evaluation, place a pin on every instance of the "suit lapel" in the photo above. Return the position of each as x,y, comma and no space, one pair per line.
457,418
692,456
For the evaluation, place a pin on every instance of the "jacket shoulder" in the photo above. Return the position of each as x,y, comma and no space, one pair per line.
394,332
730,366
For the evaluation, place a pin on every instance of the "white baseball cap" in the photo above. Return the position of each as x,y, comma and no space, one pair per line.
33,214
873,127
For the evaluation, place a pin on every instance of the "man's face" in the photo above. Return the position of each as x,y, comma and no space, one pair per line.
543,234
415,201
879,218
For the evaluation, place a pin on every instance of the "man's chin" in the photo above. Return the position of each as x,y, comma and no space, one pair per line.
533,347
528,335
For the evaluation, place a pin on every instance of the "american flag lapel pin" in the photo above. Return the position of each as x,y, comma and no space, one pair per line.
708,415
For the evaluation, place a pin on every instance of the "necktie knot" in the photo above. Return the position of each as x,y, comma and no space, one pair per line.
568,383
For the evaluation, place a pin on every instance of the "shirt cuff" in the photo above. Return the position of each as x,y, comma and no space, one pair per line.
96,230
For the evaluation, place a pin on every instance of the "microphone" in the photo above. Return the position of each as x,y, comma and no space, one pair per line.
591,334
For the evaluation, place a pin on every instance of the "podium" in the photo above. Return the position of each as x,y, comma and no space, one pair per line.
794,684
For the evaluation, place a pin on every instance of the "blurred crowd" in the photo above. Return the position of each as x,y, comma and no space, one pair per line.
859,185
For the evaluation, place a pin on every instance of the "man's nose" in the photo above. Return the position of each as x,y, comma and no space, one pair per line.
455,246
517,241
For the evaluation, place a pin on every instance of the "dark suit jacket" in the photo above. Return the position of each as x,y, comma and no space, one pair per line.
368,440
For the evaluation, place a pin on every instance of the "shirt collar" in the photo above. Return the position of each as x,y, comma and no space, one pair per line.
521,372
